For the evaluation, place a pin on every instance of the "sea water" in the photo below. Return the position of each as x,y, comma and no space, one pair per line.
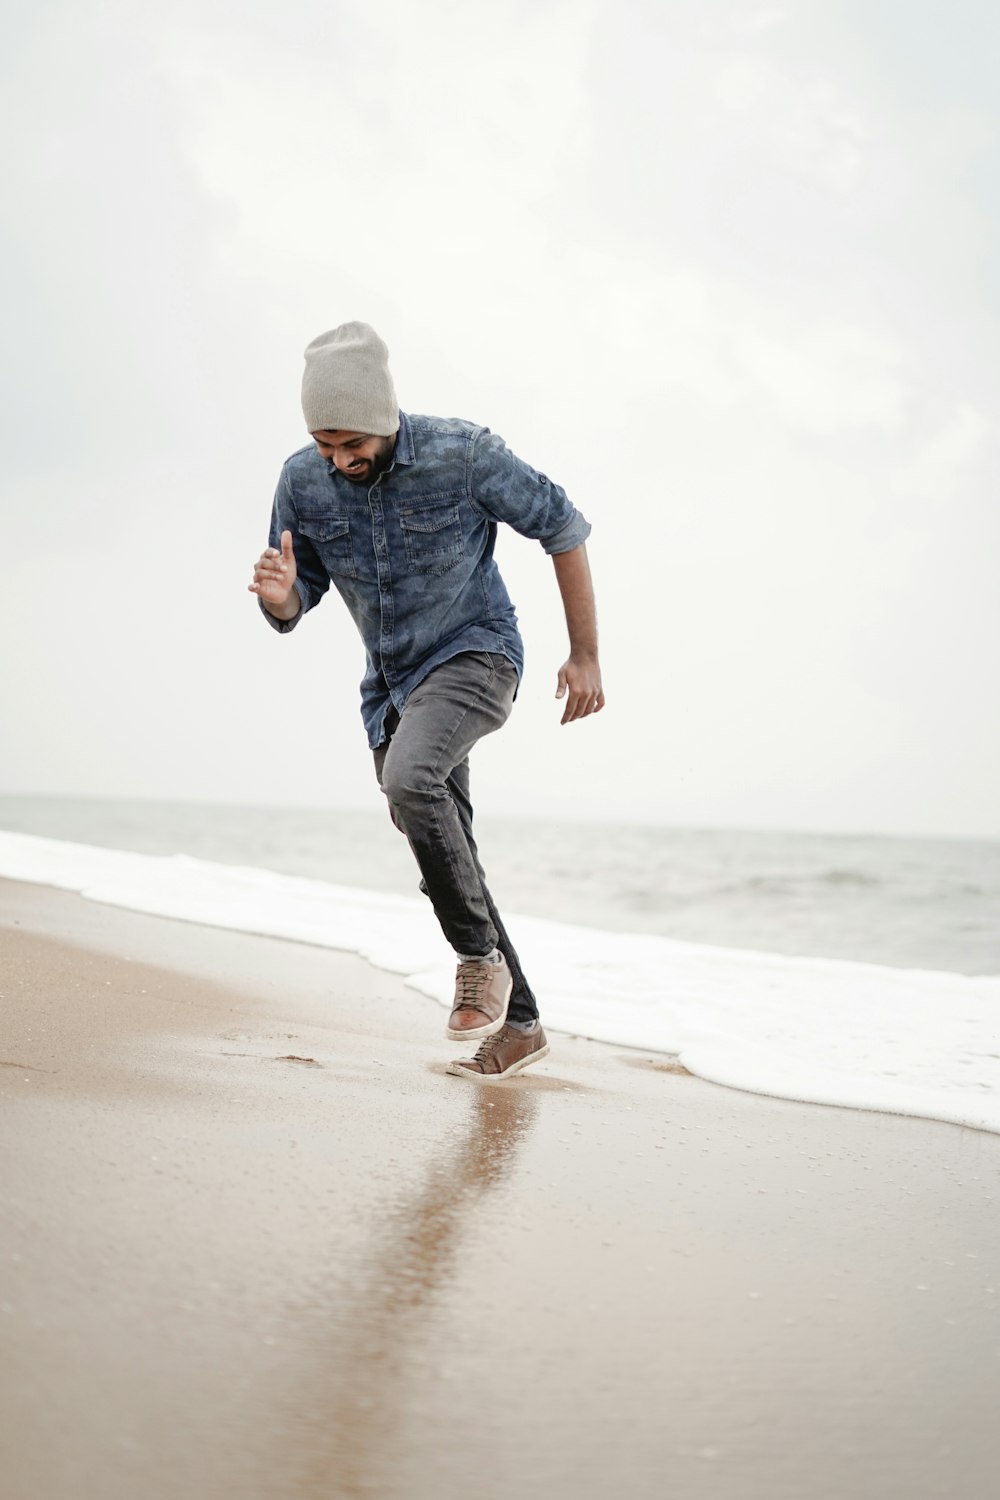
860,971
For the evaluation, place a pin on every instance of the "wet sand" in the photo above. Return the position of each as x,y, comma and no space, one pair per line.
256,1242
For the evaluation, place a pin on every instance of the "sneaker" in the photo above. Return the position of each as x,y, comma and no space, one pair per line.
505,1052
482,994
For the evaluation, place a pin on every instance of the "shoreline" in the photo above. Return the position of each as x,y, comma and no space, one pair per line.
259,1242
811,1030
790,894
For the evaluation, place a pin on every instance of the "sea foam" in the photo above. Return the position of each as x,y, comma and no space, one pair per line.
822,1031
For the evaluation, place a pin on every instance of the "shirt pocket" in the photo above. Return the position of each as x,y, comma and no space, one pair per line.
432,533
331,538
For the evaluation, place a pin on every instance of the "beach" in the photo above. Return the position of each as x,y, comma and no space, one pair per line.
257,1242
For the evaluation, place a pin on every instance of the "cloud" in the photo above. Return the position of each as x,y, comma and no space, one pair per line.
961,450
397,131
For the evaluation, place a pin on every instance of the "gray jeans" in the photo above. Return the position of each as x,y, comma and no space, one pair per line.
423,769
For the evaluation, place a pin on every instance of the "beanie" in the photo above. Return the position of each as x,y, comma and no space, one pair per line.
346,385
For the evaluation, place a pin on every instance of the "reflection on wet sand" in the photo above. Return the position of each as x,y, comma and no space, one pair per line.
379,1344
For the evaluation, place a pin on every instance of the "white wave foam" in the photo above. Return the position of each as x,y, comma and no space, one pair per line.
817,1030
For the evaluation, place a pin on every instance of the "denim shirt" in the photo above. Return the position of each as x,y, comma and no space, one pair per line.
411,555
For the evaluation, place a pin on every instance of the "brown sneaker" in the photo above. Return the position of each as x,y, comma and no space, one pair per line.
482,994
504,1053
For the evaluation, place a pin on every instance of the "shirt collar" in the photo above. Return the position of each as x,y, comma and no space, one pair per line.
403,452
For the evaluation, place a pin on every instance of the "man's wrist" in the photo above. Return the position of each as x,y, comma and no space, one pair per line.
286,611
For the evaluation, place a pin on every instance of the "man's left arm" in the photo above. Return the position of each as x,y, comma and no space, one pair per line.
579,676
510,490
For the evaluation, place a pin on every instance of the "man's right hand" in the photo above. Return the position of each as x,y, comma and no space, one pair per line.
274,576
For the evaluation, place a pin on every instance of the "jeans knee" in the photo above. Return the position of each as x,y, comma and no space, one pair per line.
409,786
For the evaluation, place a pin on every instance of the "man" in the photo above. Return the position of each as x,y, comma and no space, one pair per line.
400,513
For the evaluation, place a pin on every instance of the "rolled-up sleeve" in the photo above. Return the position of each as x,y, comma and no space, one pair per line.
507,489
312,579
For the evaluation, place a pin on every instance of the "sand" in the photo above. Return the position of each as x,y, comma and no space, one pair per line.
257,1243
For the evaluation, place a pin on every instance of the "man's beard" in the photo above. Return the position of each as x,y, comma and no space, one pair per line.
371,468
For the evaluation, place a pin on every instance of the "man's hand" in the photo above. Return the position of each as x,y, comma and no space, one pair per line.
274,576
580,677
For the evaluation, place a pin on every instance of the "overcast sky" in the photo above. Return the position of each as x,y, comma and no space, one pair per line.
726,271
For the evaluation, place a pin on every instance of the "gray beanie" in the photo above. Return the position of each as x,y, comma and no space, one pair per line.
346,385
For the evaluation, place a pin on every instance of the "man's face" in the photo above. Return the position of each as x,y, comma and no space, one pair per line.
359,456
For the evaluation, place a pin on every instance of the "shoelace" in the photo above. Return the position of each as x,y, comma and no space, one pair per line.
473,980
487,1045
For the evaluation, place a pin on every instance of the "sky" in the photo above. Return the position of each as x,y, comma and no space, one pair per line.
725,271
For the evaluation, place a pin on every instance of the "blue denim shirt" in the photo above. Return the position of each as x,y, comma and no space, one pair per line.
412,555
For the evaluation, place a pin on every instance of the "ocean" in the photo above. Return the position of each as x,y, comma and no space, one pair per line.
845,969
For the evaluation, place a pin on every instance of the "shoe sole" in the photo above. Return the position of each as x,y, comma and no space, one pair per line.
525,1062
488,1030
